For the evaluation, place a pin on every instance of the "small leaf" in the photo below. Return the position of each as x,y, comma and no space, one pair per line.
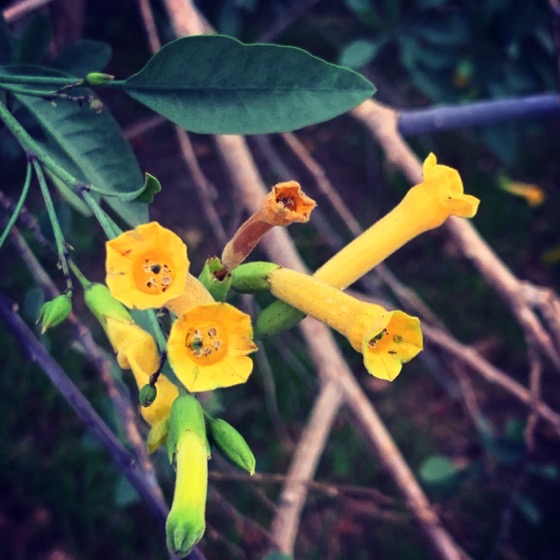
438,470
218,85
83,57
34,43
360,52
151,187
527,507
546,472
125,494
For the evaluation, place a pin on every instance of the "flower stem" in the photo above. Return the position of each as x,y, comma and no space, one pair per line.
110,228
39,80
57,230
19,205
85,283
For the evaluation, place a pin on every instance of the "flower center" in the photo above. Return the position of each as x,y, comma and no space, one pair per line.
154,273
205,345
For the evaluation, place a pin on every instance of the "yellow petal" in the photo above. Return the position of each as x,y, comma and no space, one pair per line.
208,347
146,266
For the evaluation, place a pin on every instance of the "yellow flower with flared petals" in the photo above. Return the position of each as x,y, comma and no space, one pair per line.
208,347
424,207
387,339
146,266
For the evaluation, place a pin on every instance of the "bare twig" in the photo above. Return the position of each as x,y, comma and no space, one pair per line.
478,113
81,406
20,9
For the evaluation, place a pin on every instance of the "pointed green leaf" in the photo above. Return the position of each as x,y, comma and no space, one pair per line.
217,85
151,187
6,42
83,57
34,42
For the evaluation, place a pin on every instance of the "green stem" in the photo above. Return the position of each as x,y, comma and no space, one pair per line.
57,230
85,283
28,91
19,205
156,328
110,228
39,80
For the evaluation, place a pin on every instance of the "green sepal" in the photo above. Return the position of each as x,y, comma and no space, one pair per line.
231,444
98,79
252,277
276,318
186,415
148,395
215,278
53,312
102,304
151,187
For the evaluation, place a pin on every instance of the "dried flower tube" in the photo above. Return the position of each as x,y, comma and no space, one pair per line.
284,205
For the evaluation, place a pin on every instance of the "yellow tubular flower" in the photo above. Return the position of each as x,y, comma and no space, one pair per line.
208,347
284,205
193,294
425,206
147,266
387,339
136,350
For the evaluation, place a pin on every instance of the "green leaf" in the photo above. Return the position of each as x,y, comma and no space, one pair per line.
437,470
6,42
365,11
151,187
83,57
97,147
35,40
217,85
125,494
528,508
360,52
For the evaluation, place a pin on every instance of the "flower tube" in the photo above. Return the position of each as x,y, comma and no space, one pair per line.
424,207
146,266
387,339
187,450
208,347
284,205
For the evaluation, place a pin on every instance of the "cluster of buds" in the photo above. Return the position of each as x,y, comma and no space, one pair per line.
210,341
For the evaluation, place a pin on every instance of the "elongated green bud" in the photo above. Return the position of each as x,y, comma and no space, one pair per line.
252,277
102,304
148,395
276,318
216,278
53,312
98,79
186,446
231,443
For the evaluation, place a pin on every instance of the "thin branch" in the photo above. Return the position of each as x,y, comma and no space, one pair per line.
478,113
81,406
297,11
20,9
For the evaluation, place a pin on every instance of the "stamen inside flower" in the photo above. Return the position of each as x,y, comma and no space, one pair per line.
288,202
205,345
154,275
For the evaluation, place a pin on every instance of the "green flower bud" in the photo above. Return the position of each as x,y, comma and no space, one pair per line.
231,444
53,312
252,277
98,79
186,445
102,304
215,278
148,395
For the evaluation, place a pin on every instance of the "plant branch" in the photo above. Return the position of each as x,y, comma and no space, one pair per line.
478,113
19,205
